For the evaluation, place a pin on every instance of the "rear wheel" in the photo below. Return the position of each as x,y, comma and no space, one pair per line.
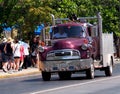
64,75
46,76
109,69
90,73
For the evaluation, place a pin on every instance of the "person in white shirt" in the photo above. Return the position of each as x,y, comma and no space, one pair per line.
60,34
26,54
24,61
16,53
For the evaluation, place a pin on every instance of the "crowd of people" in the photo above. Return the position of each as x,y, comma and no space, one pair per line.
16,55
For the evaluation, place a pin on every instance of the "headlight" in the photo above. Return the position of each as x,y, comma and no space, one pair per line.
84,47
41,49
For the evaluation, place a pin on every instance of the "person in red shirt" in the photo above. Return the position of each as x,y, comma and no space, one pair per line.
21,57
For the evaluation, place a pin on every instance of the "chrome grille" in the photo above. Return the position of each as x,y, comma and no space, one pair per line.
63,54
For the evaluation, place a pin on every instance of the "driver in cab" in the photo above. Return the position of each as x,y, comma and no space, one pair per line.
60,34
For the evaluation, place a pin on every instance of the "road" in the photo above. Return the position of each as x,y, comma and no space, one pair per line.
78,84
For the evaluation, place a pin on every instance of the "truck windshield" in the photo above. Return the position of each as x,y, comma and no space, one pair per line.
68,32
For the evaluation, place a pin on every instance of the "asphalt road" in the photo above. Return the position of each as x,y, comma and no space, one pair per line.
78,84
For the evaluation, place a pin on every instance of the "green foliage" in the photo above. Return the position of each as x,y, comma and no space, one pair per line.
110,11
64,8
27,14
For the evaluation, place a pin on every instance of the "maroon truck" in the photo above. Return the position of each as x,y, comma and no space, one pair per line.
85,48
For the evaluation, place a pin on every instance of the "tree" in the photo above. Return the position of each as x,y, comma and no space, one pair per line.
27,14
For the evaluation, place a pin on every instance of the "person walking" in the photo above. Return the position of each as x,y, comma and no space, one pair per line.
3,60
17,54
33,52
26,54
8,55
21,57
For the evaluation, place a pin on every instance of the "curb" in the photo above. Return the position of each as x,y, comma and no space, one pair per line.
24,72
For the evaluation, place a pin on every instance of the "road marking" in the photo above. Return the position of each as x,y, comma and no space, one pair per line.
80,84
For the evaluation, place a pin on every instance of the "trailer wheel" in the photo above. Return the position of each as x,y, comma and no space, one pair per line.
90,73
64,75
109,69
46,76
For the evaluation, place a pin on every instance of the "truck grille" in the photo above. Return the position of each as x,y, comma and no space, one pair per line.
63,54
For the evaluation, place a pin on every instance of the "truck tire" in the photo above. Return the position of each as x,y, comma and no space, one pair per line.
109,69
46,76
64,75
90,73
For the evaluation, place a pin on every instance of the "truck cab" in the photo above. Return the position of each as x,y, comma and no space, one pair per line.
81,49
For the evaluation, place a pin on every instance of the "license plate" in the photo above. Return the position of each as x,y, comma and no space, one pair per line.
62,65
55,68
71,67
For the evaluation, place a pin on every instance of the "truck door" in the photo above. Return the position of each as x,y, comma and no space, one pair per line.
93,33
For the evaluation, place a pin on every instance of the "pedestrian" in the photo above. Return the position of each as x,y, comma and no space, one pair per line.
26,54
3,61
33,52
8,56
21,57
17,54
40,44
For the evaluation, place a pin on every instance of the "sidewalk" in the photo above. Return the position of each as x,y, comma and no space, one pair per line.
24,72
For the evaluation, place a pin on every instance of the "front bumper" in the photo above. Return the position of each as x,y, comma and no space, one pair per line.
65,65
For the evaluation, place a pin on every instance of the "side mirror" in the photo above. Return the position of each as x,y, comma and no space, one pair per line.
90,39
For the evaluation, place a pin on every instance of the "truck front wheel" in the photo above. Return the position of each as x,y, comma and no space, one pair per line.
90,72
46,76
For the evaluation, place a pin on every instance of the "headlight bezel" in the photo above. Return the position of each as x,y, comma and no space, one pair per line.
84,47
41,49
